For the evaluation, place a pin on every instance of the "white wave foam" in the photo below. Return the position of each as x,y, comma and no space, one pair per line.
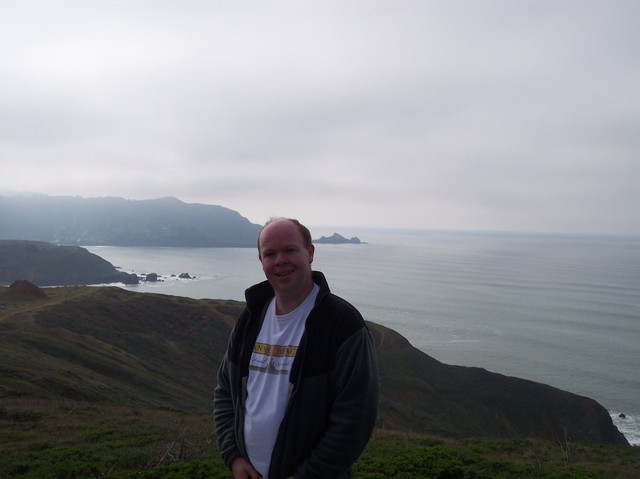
629,426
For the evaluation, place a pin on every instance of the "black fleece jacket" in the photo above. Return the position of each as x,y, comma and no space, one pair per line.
333,405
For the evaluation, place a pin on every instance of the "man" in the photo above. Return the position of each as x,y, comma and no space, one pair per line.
297,392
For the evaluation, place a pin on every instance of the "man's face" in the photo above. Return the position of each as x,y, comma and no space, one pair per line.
286,261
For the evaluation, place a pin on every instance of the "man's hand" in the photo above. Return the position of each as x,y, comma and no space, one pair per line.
242,469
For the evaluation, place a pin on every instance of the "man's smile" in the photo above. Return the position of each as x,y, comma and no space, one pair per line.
282,274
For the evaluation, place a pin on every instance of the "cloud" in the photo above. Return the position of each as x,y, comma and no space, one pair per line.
466,115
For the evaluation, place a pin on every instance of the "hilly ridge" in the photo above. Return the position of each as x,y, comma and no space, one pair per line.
109,345
71,220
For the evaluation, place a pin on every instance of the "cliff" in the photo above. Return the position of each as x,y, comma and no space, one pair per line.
460,401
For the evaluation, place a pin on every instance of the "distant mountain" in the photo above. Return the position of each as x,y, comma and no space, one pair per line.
112,221
336,238
46,264
114,346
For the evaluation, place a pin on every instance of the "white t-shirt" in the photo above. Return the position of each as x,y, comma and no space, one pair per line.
268,386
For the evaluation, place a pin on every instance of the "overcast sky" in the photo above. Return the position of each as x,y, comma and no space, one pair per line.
466,115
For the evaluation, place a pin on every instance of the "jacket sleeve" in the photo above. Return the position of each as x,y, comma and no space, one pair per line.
354,411
224,413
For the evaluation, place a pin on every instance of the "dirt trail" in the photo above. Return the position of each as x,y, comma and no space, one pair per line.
14,305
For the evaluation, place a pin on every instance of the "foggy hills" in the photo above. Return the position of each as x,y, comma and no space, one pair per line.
114,221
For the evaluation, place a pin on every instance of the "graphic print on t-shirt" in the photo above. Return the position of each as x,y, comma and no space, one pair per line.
271,359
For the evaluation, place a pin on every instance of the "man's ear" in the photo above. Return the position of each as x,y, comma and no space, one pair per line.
311,250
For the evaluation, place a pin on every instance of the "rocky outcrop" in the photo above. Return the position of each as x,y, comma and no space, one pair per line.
26,290
336,238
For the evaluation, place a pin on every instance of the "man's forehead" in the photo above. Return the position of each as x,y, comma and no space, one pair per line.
280,225
281,231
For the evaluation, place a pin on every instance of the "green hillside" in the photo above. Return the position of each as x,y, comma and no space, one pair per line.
157,351
113,346
102,382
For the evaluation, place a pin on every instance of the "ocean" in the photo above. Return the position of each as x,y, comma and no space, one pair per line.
560,310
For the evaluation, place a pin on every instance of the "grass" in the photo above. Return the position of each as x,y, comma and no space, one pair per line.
63,439
45,439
